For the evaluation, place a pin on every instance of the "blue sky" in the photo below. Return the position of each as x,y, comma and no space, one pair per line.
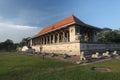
24,18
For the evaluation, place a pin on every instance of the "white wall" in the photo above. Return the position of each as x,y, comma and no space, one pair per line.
61,48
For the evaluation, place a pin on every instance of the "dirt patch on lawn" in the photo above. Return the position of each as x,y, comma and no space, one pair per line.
101,69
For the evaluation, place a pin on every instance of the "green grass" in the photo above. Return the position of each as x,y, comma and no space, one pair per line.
25,67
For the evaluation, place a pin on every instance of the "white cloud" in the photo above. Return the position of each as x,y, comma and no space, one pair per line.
13,26
16,32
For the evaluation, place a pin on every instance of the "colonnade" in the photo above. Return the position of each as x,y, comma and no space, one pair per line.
60,36
87,35
52,37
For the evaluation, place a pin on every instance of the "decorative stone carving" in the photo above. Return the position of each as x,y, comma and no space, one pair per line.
86,37
24,48
96,55
77,37
65,56
106,54
82,57
115,53
81,37
53,41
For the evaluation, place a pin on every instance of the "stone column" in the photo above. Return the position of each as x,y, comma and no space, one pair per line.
53,41
58,38
72,33
43,39
63,37
94,37
49,39
67,36
30,42
86,37
46,39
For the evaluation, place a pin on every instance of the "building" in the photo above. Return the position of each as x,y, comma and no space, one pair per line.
67,36
64,37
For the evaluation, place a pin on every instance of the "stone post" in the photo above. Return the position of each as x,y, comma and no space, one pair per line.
30,42
63,39
46,39
72,33
67,37
58,38
53,41
49,39
43,39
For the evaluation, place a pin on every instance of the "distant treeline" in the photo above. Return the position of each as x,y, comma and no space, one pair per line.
109,35
9,45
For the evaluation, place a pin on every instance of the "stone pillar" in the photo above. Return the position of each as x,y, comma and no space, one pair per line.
43,39
46,39
53,41
30,42
67,37
63,38
72,33
58,38
94,37
86,37
49,39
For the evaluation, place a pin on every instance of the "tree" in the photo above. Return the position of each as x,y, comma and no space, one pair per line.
109,35
7,45
23,42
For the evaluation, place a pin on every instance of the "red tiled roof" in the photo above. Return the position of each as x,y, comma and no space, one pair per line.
69,20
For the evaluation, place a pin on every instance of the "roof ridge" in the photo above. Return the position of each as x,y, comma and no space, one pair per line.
77,20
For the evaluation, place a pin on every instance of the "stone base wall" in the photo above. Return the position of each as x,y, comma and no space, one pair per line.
74,48
99,47
71,48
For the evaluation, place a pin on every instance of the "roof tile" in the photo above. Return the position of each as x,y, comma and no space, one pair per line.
59,24
69,20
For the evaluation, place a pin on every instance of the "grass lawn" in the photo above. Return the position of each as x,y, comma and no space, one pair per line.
26,67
